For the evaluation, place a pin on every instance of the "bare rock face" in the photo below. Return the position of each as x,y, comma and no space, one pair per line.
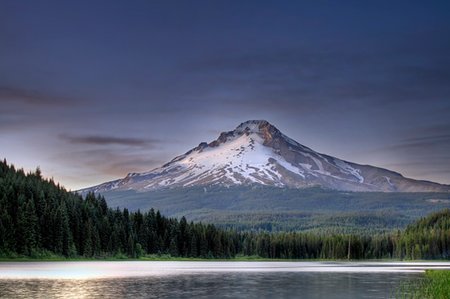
256,152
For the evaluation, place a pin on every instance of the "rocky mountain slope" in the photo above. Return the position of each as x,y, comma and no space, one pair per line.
256,152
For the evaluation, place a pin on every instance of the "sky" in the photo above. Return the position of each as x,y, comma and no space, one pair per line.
93,90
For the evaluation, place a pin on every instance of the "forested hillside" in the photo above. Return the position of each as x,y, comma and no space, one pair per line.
429,237
275,209
39,218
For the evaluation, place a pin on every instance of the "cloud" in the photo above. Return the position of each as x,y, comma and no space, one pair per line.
433,141
421,144
23,108
393,74
424,152
109,140
292,80
428,140
94,166
14,94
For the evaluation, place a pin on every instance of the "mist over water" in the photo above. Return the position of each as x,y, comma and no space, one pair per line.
206,279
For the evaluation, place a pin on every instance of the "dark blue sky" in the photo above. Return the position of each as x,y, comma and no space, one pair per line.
92,90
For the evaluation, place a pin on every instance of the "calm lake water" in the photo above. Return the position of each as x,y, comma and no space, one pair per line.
131,279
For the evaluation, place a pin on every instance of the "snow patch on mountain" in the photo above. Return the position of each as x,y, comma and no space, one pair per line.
241,159
346,168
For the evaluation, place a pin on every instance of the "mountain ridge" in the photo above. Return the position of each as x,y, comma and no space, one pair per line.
256,152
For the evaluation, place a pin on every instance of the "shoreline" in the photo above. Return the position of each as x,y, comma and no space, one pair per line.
187,259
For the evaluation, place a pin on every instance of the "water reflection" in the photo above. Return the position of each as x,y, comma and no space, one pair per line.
214,285
206,279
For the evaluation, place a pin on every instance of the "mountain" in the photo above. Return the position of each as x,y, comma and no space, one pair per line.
257,153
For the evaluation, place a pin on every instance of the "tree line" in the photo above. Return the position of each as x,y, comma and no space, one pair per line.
39,218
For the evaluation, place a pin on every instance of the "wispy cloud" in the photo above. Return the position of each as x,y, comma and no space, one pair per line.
300,75
94,166
15,94
424,152
27,108
109,140
425,140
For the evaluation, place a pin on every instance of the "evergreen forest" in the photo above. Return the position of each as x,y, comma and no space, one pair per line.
40,218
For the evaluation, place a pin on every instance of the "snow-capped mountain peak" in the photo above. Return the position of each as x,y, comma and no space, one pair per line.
256,152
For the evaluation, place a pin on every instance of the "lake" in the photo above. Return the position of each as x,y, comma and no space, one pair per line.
152,279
